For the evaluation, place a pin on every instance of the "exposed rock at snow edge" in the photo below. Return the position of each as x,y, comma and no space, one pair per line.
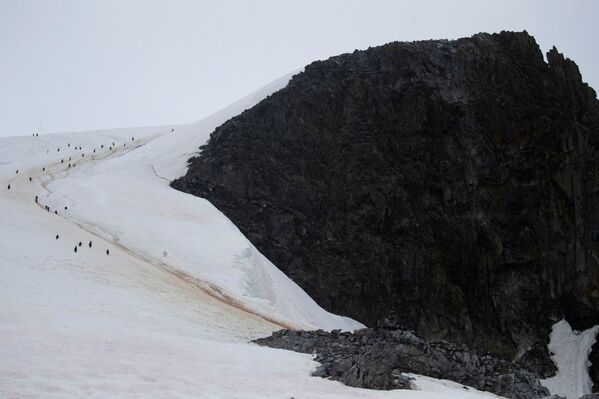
379,358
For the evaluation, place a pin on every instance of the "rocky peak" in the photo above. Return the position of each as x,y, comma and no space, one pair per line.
452,185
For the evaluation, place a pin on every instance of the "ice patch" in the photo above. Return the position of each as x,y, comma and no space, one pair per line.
570,351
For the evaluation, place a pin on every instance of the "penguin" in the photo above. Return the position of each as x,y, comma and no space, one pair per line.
102,146
56,212
36,199
57,236
90,244
82,155
80,243
17,172
29,178
58,150
66,207
132,138
9,186
69,145
107,252
75,248
43,169
62,161
94,150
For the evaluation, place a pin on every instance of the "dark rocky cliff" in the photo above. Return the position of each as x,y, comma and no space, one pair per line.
450,185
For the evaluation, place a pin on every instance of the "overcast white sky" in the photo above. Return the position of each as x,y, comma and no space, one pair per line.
82,64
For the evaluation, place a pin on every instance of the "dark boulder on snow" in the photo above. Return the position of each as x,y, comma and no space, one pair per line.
379,358
451,185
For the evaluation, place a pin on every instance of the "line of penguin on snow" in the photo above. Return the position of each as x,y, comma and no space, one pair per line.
81,244
70,158
82,155
46,207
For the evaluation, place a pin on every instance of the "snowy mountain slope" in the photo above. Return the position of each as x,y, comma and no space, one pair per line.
125,198
169,310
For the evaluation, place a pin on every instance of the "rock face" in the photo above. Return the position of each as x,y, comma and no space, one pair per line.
377,359
451,186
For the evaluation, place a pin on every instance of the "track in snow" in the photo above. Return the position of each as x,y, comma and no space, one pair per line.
116,152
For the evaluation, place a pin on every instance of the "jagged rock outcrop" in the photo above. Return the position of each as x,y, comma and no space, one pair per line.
451,185
378,359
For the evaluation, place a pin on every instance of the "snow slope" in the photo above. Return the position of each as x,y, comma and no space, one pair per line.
124,198
169,311
570,352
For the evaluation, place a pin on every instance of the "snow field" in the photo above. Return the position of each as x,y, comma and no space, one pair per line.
169,312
